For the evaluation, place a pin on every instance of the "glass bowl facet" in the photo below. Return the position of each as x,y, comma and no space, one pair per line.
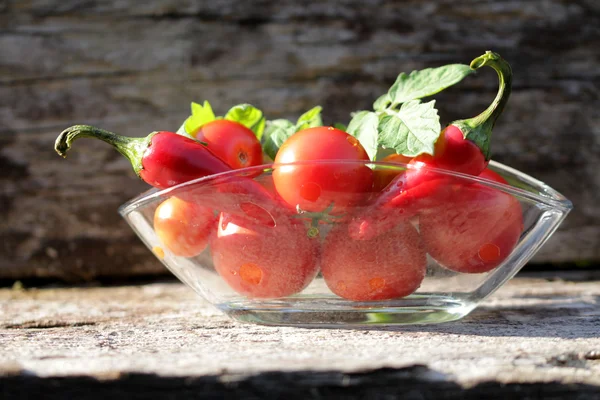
302,248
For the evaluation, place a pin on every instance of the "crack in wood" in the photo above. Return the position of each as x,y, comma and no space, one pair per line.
48,324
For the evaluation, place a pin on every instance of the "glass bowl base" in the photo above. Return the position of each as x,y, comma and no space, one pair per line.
316,312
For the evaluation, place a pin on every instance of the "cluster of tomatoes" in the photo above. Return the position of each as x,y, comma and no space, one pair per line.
367,230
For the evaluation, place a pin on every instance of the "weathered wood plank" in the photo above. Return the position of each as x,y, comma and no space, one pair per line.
536,332
135,69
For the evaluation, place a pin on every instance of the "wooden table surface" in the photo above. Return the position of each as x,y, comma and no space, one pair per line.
537,337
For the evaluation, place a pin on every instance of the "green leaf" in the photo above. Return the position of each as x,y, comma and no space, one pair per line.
276,133
382,102
204,111
279,130
423,83
249,116
201,114
259,128
310,119
363,126
412,130
182,131
340,126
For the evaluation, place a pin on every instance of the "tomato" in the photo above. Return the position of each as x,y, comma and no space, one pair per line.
238,195
184,228
383,177
232,142
385,267
261,261
473,228
317,186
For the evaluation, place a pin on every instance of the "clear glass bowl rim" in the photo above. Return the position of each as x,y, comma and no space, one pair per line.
550,197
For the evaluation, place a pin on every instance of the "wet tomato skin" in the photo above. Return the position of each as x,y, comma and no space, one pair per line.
232,142
184,228
386,267
315,187
260,261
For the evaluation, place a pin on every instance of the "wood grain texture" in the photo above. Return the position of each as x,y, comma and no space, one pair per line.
537,337
134,68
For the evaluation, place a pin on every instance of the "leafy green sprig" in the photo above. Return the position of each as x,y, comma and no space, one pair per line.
279,130
399,120
271,134
246,114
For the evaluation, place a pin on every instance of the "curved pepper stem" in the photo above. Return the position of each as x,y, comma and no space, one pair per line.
479,129
132,148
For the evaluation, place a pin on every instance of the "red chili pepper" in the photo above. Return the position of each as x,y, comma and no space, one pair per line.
165,159
396,204
464,146
161,159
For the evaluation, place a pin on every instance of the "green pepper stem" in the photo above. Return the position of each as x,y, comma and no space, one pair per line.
479,128
491,114
132,148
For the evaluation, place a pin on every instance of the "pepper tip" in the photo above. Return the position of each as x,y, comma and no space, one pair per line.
484,59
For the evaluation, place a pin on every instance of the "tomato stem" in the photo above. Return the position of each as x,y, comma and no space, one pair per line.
132,148
313,232
316,218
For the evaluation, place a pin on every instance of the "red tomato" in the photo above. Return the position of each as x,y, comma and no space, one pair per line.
383,177
260,261
238,195
232,142
472,229
316,187
184,228
388,266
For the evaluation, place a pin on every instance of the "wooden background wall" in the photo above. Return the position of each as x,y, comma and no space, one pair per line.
133,67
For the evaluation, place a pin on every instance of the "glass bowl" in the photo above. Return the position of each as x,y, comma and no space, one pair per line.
334,254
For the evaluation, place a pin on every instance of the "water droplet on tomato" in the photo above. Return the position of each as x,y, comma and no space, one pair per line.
330,128
310,191
352,140
489,252
251,273
376,283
